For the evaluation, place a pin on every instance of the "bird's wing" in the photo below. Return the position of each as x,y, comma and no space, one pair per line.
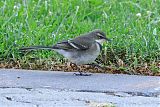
62,45
81,43
74,44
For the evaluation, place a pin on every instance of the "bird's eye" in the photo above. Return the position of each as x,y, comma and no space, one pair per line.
99,37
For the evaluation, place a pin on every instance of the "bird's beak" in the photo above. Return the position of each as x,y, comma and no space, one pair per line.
107,39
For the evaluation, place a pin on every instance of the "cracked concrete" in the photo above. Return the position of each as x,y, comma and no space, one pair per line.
61,89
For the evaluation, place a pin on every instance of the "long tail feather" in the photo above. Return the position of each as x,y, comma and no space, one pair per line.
35,48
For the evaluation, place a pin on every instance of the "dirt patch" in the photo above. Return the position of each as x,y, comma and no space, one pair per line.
146,69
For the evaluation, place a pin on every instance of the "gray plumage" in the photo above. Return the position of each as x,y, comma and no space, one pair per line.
83,49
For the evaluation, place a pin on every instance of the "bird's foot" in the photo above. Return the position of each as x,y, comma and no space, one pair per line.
82,74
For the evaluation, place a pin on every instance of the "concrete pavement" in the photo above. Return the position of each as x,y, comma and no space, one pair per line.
29,88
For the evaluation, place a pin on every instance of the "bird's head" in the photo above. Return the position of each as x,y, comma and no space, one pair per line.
99,36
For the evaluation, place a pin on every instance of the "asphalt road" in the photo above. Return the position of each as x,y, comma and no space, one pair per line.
30,88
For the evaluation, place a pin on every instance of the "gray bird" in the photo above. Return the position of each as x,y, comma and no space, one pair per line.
83,49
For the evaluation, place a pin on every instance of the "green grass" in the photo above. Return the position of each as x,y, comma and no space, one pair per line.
133,26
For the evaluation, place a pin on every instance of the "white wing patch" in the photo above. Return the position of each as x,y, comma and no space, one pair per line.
72,44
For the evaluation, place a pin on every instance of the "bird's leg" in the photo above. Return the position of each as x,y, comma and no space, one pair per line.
81,72
95,65
74,66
